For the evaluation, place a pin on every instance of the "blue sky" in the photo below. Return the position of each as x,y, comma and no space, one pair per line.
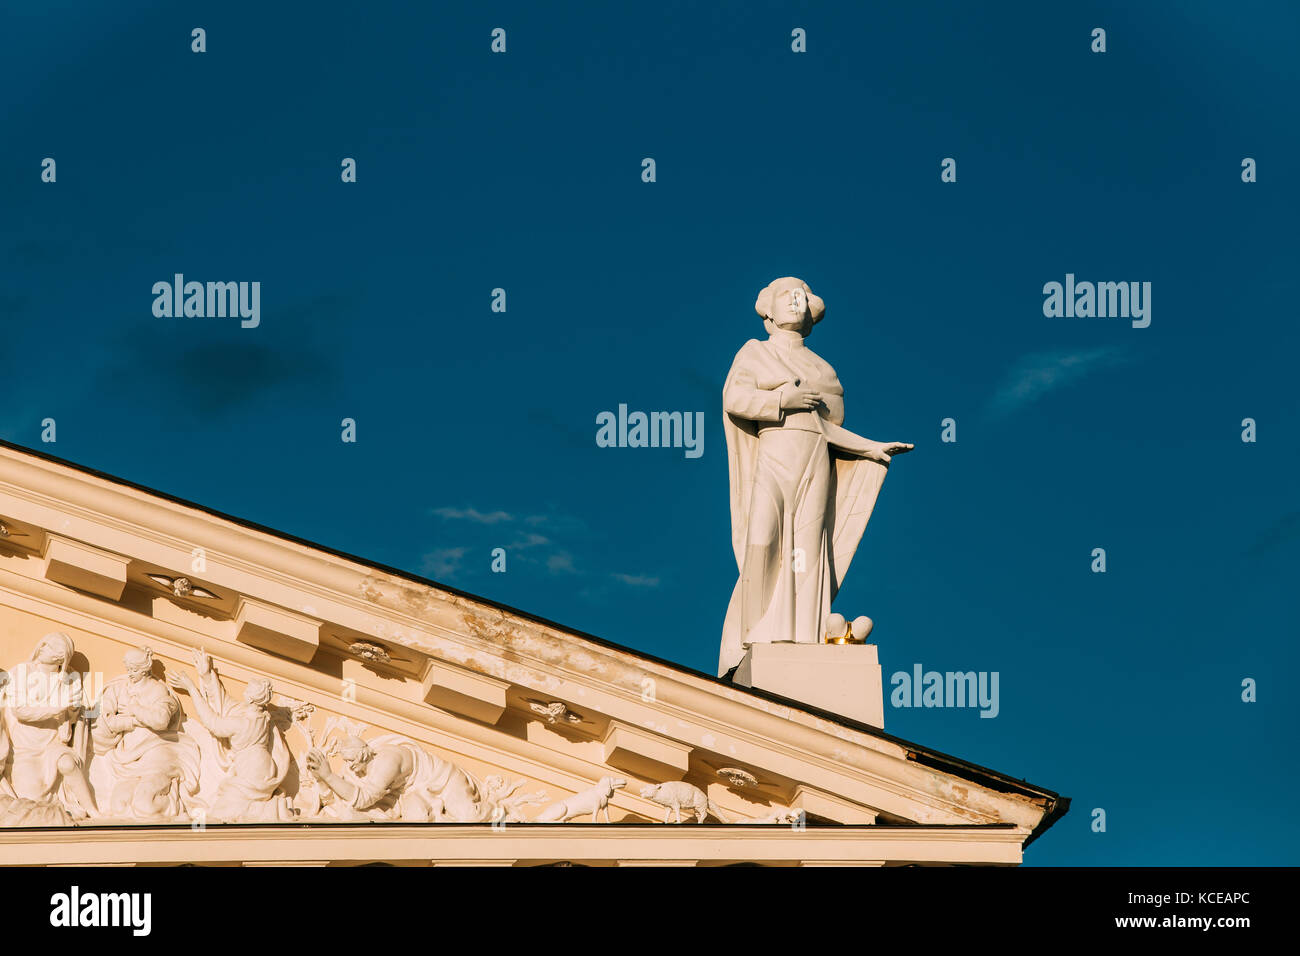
522,171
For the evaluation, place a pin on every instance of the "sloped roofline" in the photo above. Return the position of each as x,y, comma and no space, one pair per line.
984,776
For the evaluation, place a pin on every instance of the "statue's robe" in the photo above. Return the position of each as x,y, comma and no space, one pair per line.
801,496
251,750
40,731
151,770
429,790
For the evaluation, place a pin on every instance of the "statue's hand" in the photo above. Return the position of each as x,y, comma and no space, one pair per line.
797,398
121,723
180,682
316,761
885,451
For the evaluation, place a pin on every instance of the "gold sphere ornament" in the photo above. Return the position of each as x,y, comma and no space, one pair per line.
840,631
862,629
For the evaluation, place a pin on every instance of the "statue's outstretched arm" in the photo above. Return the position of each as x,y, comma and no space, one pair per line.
846,441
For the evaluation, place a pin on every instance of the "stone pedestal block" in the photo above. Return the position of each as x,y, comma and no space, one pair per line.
843,679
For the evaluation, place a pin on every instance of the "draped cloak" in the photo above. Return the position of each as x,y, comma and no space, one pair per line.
850,485
252,752
38,739
153,751
435,790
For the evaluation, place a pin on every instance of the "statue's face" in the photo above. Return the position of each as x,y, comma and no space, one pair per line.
790,308
355,759
50,653
137,672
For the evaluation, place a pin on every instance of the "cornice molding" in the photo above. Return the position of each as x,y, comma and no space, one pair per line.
600,844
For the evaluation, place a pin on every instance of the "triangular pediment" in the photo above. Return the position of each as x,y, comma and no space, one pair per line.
524,707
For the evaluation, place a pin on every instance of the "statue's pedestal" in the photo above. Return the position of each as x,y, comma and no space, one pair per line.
843,679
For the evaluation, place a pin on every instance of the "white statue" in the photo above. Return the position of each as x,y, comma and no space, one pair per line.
145,766
787,816
17,812
45,735
593,800
391,778
505,808
802,488
554,711
312,795
676,794
250,746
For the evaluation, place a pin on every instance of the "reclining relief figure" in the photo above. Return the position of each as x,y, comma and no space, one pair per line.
392,778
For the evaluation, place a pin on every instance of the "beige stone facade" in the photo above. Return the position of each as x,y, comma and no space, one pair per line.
357,651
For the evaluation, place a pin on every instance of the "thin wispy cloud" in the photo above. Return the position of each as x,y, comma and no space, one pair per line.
637,580
443,563
561,563
558,523
473,514
550,553
1036,375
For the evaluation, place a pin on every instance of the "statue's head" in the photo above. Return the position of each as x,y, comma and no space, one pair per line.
356,753
258,692
139,663
54,649
789,304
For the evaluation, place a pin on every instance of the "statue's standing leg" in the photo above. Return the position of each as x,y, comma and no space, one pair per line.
768,581
760,576
787,574
811,541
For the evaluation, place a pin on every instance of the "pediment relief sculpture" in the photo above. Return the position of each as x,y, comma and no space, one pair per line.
392,778
135,757
151,748
785,816
250,748
593,800
44,746
678,795
143,767
554,711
